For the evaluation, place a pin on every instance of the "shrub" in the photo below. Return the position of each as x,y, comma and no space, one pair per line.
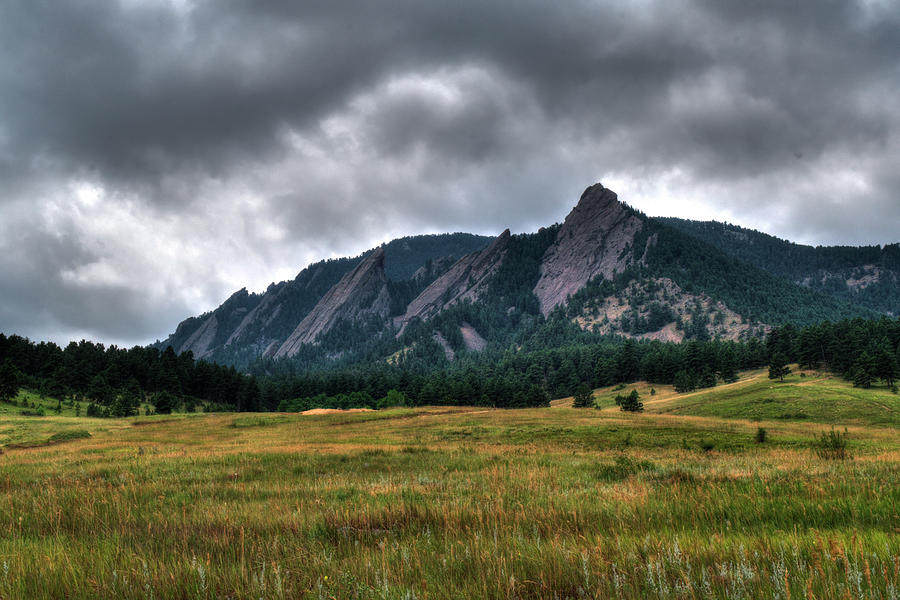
761,435
624,467
707,445
392,399
95,410
64,436
164,403
832,445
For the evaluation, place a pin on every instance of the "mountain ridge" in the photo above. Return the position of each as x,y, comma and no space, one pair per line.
867,275
274,314
606,270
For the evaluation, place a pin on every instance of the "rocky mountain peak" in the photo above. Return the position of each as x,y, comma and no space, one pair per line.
595,239
594,199
598,211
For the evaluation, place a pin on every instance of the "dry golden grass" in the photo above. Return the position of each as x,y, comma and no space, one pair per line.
447,503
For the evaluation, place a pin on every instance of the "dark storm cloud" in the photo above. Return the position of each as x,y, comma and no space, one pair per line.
156,154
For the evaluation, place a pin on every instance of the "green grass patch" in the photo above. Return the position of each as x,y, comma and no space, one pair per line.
816,398
57,438
65,436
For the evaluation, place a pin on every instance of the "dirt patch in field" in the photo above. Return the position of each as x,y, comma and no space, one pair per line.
155,422
330,411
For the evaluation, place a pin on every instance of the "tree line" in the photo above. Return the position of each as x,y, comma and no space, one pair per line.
115,381
862,351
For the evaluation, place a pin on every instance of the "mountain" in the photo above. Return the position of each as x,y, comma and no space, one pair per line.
248,326
868,275
606,270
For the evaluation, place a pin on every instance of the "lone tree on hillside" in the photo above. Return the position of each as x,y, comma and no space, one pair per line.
631,402
584,397
778,367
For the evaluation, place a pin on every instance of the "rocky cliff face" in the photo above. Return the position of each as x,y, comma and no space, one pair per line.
202,339
282,307
595,239
202,335
467,279
361,293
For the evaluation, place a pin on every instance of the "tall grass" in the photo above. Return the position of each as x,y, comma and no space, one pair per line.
457,503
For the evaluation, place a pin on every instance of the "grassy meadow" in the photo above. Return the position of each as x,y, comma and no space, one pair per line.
680,501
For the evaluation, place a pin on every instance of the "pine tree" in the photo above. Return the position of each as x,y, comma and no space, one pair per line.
864,371
886,366
778,367
627,365
584,397
707,378
728,365
99,390
684,382
9,381
631,402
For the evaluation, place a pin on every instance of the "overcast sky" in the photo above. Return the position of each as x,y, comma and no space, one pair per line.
156,155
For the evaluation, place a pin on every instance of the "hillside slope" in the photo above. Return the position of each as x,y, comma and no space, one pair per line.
867,275
804,396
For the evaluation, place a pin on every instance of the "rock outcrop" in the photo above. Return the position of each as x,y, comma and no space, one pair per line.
248,326
261,316
202,339
202,335
467,279
472,338
595,239
361,293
